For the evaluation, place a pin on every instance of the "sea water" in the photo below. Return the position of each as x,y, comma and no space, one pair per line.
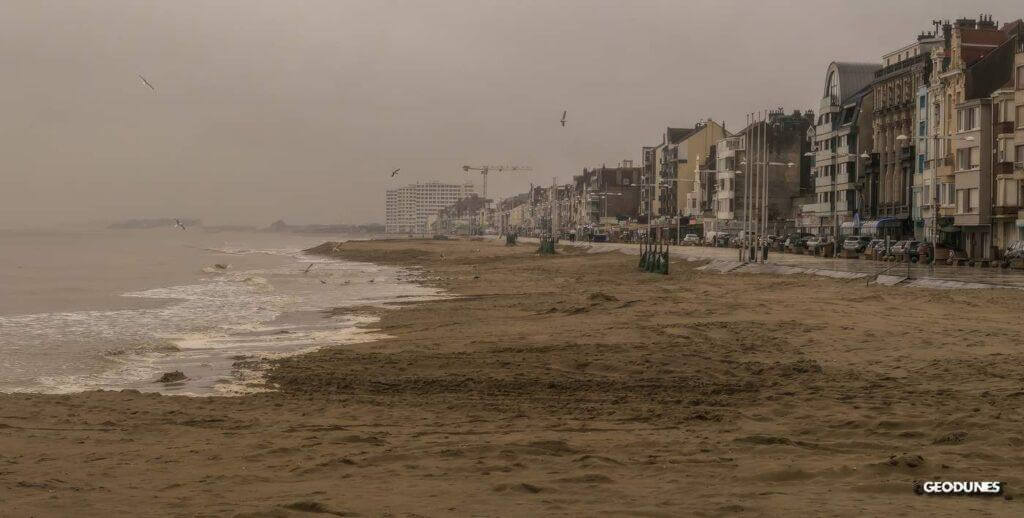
112,309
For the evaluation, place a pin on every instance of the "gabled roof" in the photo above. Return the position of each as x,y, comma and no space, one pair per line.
992,71
977,43
677,135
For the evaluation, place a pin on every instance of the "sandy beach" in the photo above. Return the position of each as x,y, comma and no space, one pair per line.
571,385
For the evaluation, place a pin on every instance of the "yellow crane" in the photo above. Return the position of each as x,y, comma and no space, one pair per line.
484,169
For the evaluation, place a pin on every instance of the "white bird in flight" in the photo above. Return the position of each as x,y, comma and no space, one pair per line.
177,223
146,82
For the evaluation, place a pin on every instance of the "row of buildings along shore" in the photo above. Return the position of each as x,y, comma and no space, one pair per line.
925,143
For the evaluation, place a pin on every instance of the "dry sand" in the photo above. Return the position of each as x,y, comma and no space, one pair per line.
569,385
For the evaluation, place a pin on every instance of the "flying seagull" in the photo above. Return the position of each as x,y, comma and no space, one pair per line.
308,268
564,113
393,173
177,223
146,82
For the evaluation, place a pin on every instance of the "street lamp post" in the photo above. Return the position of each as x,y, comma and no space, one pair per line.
605,195
834,202
651,201
763,201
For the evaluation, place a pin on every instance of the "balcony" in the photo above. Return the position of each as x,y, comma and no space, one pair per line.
944,167
824,157
969,219
906,153
1005,210
1005,127
843,178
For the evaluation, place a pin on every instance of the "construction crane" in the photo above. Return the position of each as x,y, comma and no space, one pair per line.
484,169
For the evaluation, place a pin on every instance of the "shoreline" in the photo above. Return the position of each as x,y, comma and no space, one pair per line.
566,385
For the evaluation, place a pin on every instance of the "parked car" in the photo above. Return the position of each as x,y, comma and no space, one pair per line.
873,245
910,250
813,243
691,240
897,247
880,248
1014,252
722,239
925,252
856,244
797,240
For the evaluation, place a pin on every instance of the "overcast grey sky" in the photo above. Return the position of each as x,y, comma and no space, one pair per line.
299,109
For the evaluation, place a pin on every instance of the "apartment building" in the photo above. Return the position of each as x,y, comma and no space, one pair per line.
407,208
839,141
781,154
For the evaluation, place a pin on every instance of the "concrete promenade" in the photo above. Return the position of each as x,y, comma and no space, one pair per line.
940,276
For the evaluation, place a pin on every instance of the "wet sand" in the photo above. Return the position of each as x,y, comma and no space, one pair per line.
570,385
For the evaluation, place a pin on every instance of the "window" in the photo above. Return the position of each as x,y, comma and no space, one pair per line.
1020,116
1020,154
967,119
967,158
920,128
832,86
1020,77
920,163
921,102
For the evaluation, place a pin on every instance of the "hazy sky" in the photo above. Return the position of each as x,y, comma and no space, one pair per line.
300,109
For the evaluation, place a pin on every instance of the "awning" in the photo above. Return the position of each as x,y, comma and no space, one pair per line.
881,223
874,226
949,229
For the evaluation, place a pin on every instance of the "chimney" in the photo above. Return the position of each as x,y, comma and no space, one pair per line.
965,23
947,36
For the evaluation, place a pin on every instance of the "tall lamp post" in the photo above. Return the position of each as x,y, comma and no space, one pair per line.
834,202
650,200
605,195
762,201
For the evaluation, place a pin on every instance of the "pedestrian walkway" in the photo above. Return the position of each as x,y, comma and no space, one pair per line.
940,276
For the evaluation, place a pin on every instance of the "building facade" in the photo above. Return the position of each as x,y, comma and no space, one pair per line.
781,153
897,128
972,75
1018,134
407,208
842,187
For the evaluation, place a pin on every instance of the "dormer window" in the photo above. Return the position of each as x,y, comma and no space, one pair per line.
832,87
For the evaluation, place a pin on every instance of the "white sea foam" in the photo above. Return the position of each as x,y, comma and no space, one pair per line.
203,328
